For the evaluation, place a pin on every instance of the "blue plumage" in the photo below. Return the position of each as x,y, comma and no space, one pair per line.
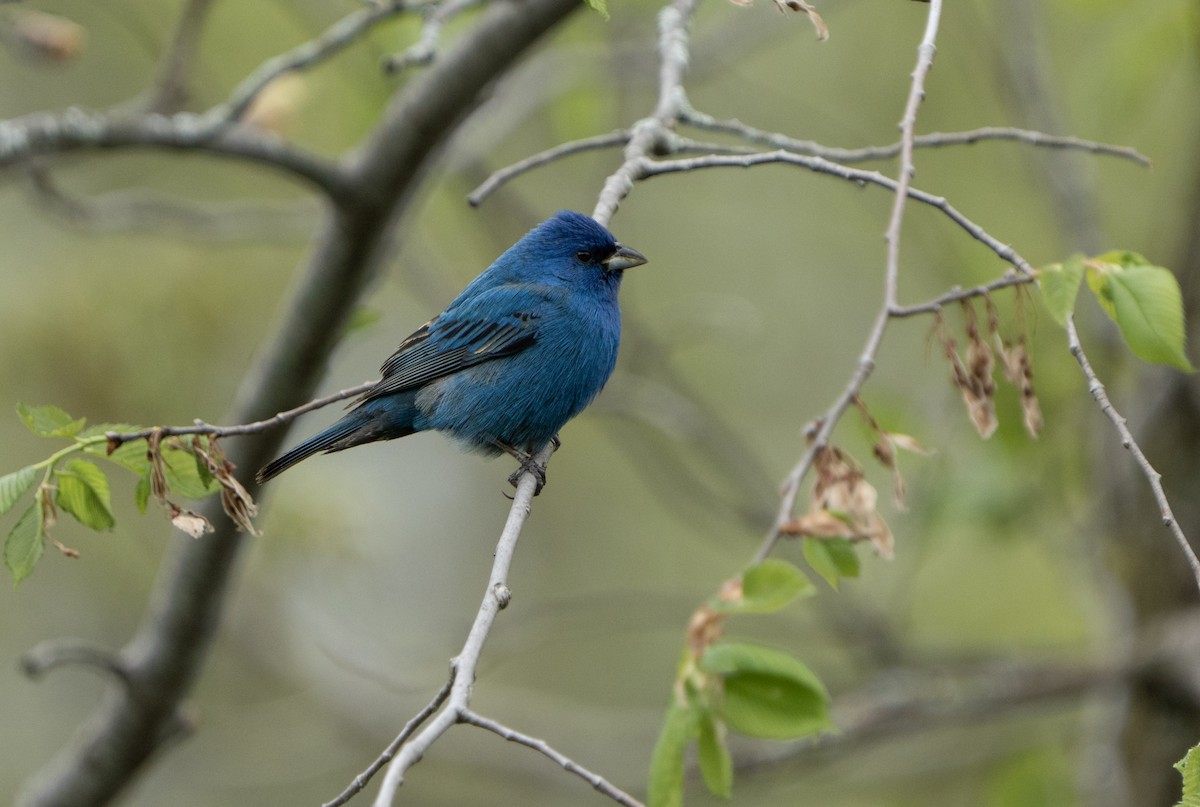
523,349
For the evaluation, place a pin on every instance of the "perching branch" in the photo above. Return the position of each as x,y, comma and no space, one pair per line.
495,597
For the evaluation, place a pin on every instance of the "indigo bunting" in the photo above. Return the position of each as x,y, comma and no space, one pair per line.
523,349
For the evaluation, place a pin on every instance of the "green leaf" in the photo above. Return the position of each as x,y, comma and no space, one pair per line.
665,787
767,587
767,693
1149,311
1099,276
599,6
15,485
1123,258
1059,283
131,455
83,492
183,477
1189,768
716,765
49,421
25,543
141,493
832,558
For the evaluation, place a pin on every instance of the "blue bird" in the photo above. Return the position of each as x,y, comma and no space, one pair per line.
523,349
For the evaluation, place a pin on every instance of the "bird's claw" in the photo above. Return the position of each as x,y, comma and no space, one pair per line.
531,465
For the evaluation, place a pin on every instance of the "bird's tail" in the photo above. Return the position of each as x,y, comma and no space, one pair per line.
324,441
377,419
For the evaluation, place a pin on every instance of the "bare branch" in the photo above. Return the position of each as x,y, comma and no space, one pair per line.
598,782
1008,280
499,178
60,652
77,129
649,168
1153,477
279,419
412,725
170,91
700,120
424,50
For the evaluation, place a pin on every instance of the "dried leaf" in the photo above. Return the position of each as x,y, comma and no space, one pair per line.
909,443
844,504
236,501
704,629
1022,377
809,10
158,473
189,521
880,536
63,548
973,379
817,524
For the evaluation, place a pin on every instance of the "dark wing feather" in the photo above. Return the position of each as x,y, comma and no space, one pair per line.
502,325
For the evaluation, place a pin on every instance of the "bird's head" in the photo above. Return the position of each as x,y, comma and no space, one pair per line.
570,245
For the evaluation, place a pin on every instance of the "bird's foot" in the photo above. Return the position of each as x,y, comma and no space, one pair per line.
531,465
528,463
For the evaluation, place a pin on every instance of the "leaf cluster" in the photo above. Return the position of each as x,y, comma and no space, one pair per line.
71,482
1144,300
724,686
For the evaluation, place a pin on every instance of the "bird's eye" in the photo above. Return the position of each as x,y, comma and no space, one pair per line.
583,256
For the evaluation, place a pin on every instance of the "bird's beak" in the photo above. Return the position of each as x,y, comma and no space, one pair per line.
624,258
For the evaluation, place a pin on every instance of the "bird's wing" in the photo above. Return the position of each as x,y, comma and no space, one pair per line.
499,322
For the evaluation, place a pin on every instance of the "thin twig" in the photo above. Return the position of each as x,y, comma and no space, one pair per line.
76,129
200,427
60,652
597,781
700,120
499,178
820,165
957,294
170,90
412,725
424,50
1096,388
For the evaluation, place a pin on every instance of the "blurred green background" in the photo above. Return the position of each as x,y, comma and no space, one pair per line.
750,315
